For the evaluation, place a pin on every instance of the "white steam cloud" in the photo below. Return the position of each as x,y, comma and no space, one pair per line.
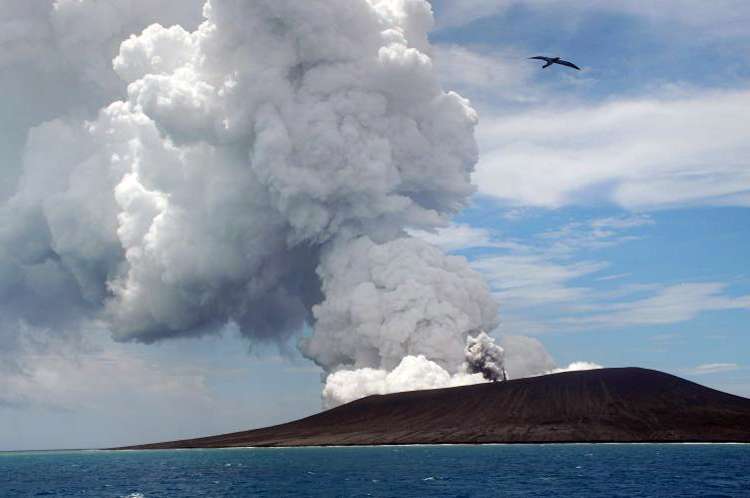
576,366
413,373
259,170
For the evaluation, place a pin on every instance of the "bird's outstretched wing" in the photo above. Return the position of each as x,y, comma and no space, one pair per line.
569,64
542,58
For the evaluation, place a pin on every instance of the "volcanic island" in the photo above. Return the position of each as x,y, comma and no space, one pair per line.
624,405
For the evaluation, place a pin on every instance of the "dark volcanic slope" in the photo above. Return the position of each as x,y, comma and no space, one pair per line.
622,404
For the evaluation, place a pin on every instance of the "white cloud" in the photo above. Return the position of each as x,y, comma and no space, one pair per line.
540,295
543,286
594,234
616,276
453,13
492,74
674,148
669,304
639,153
721,18
522,281
713,368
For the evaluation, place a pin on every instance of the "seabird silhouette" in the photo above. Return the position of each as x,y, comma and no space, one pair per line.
555,60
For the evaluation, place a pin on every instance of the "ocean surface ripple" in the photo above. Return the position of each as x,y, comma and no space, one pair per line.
648,470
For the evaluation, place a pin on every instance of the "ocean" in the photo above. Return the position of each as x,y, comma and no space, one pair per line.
580,470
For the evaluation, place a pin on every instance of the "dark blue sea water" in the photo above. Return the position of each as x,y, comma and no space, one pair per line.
535,470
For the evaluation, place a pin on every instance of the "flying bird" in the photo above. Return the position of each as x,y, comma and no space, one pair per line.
555,60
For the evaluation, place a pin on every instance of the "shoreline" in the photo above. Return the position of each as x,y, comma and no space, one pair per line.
434,445
361,446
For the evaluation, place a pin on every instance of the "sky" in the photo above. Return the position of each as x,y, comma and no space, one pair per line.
612,207
610,218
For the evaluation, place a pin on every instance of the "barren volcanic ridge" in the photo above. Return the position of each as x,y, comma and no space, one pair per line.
607,405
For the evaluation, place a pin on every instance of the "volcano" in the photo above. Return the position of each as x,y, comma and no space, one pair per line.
607,405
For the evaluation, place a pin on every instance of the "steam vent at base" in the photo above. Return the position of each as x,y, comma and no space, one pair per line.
607,405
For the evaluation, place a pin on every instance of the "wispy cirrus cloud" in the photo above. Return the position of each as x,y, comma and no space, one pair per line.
525,281
641,153
668,304
721,18
595,234
459,236
713,368
544,283
456,13
544,143
499,76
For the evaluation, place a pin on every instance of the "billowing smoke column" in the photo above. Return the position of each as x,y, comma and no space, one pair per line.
485,357
384,302
261,171
483,362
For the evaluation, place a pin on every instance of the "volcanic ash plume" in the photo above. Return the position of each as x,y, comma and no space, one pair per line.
485,357
262,171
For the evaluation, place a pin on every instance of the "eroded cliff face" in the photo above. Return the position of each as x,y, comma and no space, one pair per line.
607,405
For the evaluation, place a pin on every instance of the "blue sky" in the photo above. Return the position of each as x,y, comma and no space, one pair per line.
622,195
611,221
